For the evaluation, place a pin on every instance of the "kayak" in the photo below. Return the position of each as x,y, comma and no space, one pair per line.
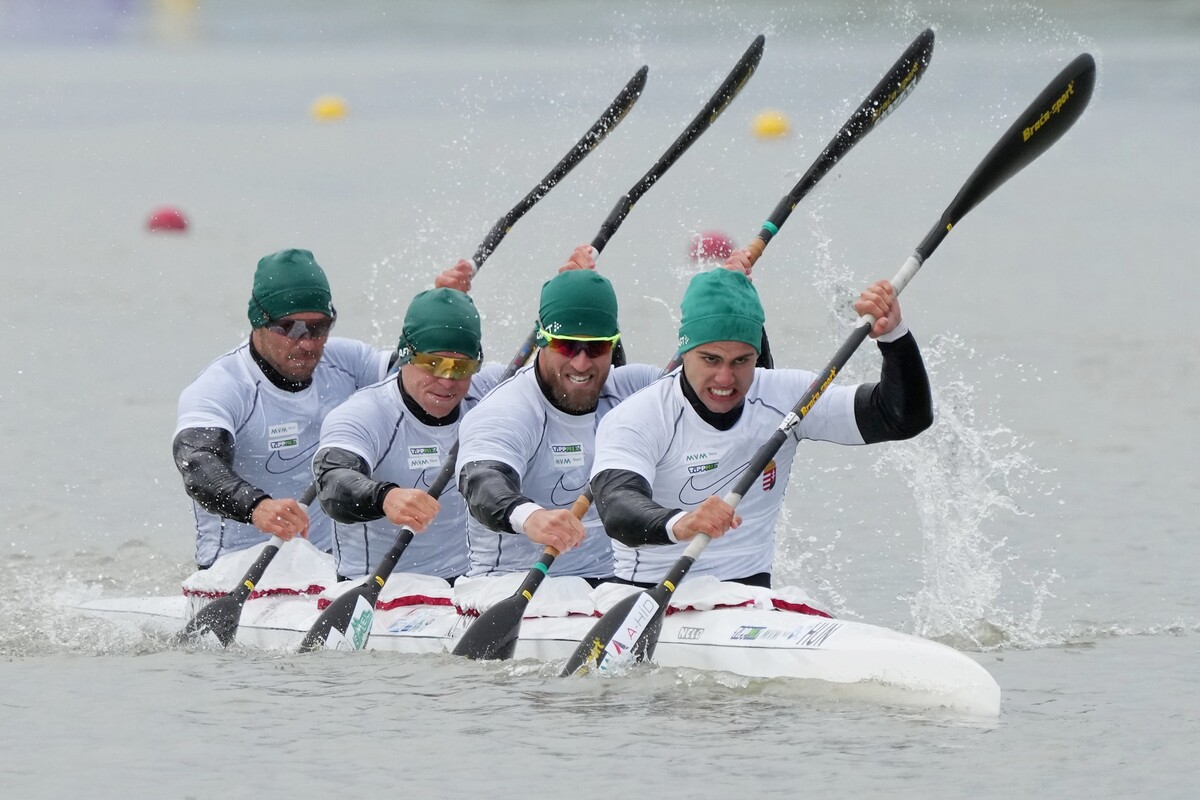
711,626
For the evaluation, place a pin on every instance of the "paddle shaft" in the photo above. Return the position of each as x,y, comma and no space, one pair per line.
887,95
341,612
494,634
1042,124
729,89
611,117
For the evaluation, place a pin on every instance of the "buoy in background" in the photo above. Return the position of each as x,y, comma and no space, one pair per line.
328,108
711,246
770,124
167,218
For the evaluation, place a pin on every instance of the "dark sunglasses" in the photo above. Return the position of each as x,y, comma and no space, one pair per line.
595,347
296,329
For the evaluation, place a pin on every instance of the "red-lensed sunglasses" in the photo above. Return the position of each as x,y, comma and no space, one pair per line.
570,346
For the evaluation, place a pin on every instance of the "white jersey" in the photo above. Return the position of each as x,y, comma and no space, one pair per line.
551,451
377,426
275,432
657,434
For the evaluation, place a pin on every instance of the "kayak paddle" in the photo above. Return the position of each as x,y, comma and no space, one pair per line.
629,631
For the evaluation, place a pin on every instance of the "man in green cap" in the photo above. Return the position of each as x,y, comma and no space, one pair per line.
381,449
248,425
664,457
526,449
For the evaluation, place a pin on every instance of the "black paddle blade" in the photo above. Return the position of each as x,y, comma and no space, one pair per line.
220,618
494,634
628,632
1050,116
345,624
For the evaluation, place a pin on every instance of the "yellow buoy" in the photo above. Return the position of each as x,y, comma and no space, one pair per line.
770,124
328,108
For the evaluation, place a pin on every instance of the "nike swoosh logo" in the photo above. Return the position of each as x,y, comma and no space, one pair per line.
278,464
693,493
562,495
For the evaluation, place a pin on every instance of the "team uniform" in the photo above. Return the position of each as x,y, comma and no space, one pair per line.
550,452
387,442
658,435
275,433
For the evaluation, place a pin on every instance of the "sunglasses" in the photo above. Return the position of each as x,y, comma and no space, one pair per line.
446,366
571,346
296,329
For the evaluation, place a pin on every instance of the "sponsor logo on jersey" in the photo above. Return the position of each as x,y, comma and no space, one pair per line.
567,456
284,436
768,476
698,488
422,456
699,469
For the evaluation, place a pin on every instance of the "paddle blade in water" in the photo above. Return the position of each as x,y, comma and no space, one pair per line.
220,618
494,634
344,625
626,633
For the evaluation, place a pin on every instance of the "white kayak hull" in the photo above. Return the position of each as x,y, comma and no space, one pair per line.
887,666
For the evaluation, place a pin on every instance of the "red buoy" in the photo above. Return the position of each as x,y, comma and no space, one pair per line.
166,218
711,246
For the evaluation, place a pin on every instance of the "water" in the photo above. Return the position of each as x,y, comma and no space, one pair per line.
1043,525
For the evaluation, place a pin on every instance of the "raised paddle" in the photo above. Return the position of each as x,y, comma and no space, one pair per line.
629,631
346,622
887,95
729,88
494,634
223,614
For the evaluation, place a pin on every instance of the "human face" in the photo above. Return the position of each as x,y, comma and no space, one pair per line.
294,359
720,373
574,380
437,396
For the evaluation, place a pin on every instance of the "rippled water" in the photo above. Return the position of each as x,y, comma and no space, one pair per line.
1043,525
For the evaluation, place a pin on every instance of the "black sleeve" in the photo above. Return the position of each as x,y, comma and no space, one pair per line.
345,487
625,504
492,490
901,405
204,457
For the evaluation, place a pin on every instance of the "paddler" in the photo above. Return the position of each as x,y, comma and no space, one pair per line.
527,448
248,425
381,449
665,456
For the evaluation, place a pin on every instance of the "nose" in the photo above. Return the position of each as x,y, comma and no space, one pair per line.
581,362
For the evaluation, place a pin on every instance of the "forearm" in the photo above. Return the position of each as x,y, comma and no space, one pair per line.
345,487
204,457
492,489
900,405
626,506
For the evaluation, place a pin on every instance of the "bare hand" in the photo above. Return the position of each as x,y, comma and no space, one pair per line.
410,508
582,257
554,528
880,301
457,277
284,518
714,516
739,261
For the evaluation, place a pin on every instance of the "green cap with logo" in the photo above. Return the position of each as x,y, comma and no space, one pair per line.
578,302
441,320
721,305
288,282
